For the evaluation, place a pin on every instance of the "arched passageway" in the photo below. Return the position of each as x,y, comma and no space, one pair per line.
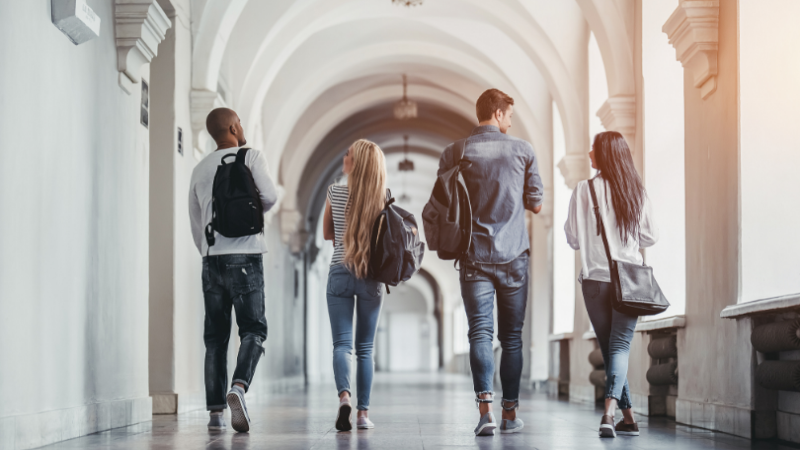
108,110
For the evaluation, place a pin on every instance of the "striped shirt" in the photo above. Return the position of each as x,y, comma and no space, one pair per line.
338,197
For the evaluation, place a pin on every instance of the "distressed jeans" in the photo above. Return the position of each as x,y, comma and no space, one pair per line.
232,281
614,332
346,294
479,283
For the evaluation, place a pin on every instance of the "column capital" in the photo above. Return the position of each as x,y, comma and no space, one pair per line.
693,29
202,101
140,26
618,113
276,208
574,167
293,233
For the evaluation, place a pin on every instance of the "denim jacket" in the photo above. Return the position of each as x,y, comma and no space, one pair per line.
502,182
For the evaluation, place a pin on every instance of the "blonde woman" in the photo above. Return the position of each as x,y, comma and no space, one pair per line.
349,214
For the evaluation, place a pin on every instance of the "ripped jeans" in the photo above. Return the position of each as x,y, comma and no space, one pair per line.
480,283
614,332
232,281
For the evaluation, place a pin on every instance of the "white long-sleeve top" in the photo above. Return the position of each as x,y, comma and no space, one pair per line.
200,197
581,230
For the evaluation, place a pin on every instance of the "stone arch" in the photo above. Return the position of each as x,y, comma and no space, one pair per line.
216,23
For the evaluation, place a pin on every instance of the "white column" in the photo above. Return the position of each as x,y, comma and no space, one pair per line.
563,256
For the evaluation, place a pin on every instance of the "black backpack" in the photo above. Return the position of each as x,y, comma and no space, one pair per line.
447,217
236,204
396,250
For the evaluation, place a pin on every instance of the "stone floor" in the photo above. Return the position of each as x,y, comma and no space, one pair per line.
410,412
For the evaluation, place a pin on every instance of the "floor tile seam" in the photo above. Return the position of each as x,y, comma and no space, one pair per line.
320,439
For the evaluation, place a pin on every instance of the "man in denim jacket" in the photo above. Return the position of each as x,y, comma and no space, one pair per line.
502,182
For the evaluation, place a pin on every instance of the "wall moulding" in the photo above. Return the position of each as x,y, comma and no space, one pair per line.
618,113
140,26
693,29
773,305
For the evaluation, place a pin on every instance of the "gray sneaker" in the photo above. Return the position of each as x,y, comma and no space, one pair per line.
486,425
511,426
216,421
240,420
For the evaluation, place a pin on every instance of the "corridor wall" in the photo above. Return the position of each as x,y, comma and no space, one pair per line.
74,177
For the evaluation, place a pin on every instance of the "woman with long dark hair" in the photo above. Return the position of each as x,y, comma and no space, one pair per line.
349,215
626,213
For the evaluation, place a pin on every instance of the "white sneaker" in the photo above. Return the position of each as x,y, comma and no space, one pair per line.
365,424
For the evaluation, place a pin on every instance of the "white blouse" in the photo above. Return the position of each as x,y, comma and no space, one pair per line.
581,230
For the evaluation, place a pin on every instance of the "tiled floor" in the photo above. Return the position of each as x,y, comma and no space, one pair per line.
410,412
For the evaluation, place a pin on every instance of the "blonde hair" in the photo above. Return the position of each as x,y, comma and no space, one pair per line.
366,185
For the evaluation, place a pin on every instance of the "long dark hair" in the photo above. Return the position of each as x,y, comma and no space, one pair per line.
615,163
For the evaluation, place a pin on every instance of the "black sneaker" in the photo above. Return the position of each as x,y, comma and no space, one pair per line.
607,427
627,429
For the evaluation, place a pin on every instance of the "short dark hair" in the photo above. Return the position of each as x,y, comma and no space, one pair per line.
490,101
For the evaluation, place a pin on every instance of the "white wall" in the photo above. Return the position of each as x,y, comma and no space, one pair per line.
664,154
769,69
73,233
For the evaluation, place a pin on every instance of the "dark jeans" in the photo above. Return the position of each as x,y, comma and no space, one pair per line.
479,283
614,332
232,281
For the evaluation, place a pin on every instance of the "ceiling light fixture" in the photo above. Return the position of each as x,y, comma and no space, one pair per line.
405,109
406,165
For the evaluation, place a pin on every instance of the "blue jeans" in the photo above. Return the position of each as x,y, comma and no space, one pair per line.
614,332
232,281
479,283
345,294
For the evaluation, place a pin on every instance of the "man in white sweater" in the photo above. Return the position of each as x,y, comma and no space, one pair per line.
233,275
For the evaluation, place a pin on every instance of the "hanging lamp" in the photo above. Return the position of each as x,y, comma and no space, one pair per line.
405,109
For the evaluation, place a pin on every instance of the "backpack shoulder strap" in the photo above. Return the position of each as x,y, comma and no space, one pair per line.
241,154
458,151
